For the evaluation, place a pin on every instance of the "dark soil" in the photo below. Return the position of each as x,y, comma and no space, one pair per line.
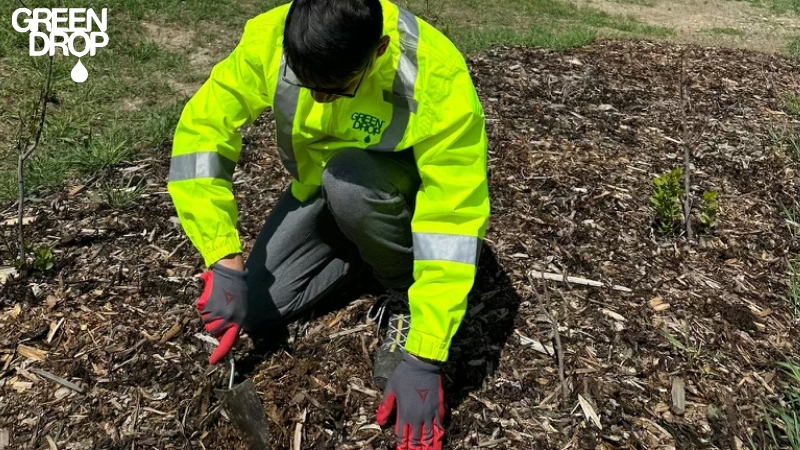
576,139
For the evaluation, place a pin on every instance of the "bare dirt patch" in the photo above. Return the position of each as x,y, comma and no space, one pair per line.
169,36
575,141
760,29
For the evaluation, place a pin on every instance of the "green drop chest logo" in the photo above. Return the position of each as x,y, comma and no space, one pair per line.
370,124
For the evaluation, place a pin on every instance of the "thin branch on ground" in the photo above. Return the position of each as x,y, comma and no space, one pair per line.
687,159
25,151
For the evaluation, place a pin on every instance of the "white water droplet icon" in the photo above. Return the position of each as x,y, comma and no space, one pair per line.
79,73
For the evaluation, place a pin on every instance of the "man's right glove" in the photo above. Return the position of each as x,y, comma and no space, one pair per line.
223,306
414,392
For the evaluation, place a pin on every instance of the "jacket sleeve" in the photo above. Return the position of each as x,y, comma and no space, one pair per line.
206,148
451,214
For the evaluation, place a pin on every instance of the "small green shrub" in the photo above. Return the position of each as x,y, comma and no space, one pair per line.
44,259
710,210
667,192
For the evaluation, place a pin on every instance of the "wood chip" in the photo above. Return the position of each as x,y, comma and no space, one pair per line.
658,304
678,397
171,333
364,390
298,431
75,190
536,274
15,220
536,345
21,386
492,442
54,326
613,315
7,272
30,352
589,412
349,331
14,313
5,438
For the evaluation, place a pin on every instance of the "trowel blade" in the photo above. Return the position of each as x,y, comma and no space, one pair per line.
246,413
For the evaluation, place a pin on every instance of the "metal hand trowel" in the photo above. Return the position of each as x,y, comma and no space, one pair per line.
245,410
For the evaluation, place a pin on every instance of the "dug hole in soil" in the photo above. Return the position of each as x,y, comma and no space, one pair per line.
576,138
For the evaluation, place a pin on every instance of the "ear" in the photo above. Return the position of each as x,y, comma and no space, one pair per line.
384,44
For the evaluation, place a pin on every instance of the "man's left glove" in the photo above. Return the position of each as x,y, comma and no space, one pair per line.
223,306
415,388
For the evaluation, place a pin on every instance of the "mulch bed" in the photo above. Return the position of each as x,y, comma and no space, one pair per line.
576,138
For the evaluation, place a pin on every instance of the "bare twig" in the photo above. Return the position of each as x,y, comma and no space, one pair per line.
687,159
560,355
26,151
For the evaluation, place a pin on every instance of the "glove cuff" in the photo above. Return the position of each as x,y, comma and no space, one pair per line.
228,272
419,364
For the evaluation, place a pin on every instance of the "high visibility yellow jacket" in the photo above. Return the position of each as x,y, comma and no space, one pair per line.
419,95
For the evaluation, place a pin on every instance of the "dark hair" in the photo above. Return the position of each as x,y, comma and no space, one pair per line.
329,41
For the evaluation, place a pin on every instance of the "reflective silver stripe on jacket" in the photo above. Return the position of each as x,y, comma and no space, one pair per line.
446,247
404,80
284,110
201,165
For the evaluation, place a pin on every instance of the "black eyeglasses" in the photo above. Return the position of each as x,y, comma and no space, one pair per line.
324,90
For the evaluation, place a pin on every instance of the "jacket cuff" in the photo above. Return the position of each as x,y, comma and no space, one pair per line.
427,346
220,248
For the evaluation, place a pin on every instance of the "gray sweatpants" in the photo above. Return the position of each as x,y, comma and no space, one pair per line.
307,250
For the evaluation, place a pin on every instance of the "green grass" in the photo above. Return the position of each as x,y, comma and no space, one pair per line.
546,23
725,31
793,271
127,106
791,104
784,426
92,126
793,48
778,6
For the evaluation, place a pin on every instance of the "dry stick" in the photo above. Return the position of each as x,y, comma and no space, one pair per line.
560,353
557,339
687,160
24,155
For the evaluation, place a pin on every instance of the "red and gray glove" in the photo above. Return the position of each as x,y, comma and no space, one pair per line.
415,388
223,306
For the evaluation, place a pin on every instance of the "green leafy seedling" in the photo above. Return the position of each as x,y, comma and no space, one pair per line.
710,210
44,259
666,201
